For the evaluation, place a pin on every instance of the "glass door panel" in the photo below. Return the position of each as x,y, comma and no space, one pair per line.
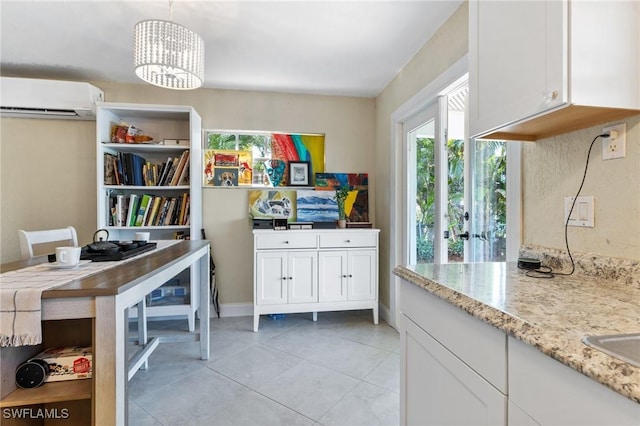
422,213
455,153
488,227
456,188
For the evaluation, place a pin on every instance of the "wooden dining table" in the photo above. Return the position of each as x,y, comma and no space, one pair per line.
105,298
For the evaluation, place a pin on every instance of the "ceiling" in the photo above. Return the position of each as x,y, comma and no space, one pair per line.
351,48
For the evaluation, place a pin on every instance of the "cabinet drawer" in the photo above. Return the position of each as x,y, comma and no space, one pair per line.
285,240
345,239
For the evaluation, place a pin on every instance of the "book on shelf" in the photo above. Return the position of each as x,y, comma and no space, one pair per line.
183,208
110,171
121,210
142,209
163,211
184,158
154,211
185,179
132,209
165,169
168,217
170,171
149,172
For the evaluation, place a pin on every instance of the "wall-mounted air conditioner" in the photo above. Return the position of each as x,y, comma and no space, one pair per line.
56,99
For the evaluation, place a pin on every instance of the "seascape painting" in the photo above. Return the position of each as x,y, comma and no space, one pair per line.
316,206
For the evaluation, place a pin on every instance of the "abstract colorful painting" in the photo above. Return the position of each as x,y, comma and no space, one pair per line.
316,206
357,203
299,147
272,204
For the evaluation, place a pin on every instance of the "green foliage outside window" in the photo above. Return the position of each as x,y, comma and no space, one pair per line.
490,211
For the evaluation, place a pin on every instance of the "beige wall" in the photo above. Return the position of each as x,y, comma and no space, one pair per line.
47,167
553,168
48,177
444,49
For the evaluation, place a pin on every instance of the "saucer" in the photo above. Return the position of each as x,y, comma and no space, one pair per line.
57,265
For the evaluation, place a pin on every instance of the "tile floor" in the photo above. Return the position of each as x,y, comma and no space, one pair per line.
340,370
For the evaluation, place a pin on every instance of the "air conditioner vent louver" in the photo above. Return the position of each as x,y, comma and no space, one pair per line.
51,99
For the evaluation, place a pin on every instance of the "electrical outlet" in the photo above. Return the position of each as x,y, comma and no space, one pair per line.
582,214
616,144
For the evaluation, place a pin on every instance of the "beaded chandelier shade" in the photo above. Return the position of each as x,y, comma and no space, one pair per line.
168,55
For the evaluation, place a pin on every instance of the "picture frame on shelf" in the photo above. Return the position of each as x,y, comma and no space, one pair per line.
299,173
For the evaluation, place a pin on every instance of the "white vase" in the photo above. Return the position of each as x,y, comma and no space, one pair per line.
342,223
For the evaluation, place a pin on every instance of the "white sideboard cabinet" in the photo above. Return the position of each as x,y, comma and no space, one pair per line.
315,271
542,68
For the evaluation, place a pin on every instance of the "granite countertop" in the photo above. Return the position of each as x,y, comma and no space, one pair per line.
553,315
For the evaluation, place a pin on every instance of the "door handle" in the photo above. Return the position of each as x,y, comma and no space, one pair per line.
464,235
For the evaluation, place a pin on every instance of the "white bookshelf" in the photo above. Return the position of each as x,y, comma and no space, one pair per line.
160,122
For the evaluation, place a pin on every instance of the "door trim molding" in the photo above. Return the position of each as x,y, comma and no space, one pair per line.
396,185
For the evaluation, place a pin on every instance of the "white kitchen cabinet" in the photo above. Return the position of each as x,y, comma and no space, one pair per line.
286,277
453,368
171,122
347,274
315,271
441,389
548,392
542,68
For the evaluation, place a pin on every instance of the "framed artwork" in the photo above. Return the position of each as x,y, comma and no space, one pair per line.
272,204
262,158
299,173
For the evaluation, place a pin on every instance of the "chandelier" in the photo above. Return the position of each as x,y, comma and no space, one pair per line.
168,55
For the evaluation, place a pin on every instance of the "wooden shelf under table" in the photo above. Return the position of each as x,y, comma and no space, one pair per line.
68,390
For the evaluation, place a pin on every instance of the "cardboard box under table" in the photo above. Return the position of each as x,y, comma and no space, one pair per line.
69,363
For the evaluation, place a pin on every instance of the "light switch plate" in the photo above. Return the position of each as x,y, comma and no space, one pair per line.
583,212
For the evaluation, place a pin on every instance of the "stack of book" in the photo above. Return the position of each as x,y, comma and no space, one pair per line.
127,168
148,210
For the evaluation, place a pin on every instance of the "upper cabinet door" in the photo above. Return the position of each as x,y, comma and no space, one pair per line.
518,64
544,68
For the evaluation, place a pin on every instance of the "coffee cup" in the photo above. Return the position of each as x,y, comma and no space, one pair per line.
142,236
68,256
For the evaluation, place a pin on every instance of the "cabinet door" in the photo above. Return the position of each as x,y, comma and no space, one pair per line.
552,393
361,273
517,55
332,280
437,388
302,277
271,271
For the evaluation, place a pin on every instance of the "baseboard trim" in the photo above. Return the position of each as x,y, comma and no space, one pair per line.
385,315
234,310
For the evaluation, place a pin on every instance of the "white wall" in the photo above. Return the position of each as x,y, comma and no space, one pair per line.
48,166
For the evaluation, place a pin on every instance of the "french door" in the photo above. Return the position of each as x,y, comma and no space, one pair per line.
456,199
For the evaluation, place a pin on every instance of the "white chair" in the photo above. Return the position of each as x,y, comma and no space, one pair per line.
28,239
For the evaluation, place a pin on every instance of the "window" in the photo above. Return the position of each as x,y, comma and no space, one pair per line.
258,159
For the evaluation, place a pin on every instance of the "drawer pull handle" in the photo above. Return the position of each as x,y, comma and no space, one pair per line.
290,278
286,242
284,278
347,241
344,276
350,276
